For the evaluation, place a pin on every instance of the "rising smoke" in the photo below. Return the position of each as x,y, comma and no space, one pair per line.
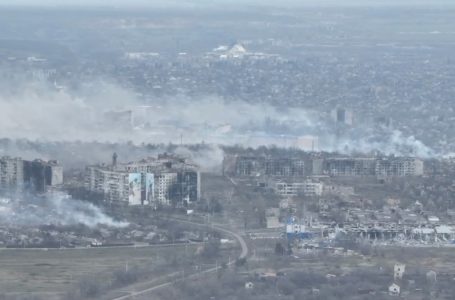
103,112
52,209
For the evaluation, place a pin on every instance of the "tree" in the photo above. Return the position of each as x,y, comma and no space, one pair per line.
211,249
279,249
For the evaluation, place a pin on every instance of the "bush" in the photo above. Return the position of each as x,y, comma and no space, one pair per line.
89,287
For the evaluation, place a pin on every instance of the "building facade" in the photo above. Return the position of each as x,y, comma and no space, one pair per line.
11,172
36,175
380,167
252,166
307,188
167,181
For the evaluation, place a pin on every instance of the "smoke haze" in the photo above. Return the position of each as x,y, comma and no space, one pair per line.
53,209
104,112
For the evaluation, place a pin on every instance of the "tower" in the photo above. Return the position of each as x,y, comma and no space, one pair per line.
114,160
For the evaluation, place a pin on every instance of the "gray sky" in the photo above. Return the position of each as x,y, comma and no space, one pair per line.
212,3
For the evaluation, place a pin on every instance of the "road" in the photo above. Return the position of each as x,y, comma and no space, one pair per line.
106,247
243,254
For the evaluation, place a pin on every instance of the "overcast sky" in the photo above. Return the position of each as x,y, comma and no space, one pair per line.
212,3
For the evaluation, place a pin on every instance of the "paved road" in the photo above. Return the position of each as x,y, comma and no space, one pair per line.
243,254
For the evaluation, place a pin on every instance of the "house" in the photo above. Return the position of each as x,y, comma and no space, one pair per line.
431,277
394,290
398,271
249,285
315,291
273,222
272,218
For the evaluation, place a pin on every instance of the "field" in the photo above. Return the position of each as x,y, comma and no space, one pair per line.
353,277
51,273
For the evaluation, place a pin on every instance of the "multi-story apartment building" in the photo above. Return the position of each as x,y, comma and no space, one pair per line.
164,181
347,166
376,166
307,188
399,167
251,166
11,172
36,175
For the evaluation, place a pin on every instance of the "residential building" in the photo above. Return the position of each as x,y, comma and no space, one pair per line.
255,166
165,180
343,116
399,167
11,172
398,271
380,167
348,166
39,175
394,290
307,188
284,167
36,175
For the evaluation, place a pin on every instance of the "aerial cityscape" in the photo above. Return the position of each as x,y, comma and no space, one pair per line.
227,150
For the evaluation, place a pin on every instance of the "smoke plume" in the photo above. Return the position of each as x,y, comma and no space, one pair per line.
104,112
52,209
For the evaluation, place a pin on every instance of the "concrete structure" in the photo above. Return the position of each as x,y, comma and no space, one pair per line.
321,164
347,166
113,185
307,188
381,167
255,166
431,277
398,271
39,175
249,285
36,175
272,218
284,167
11,172
342,116
399,167
394,290
166,180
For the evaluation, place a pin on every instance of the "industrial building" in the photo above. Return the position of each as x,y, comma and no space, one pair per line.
36,175
166,180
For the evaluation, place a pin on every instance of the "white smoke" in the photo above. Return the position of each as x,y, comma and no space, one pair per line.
53,209
39,112
390,143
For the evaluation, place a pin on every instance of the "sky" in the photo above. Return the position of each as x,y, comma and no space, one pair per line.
212,3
